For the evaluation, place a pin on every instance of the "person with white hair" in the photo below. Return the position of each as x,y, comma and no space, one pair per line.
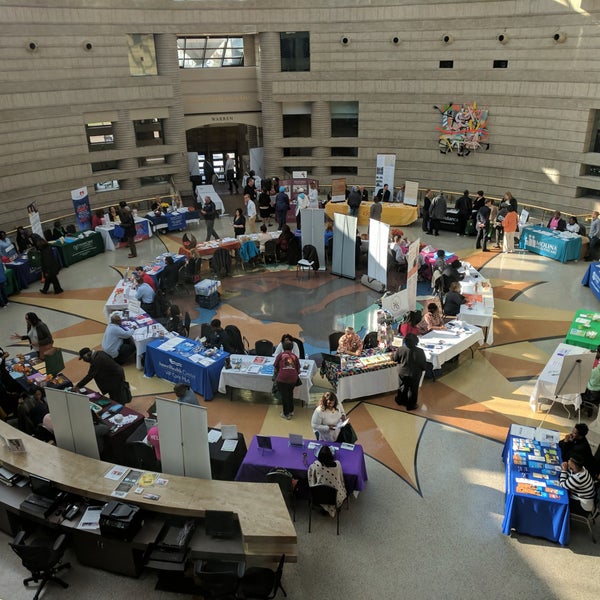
302,202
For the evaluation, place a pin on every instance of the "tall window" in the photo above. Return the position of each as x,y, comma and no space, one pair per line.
207,52
297,119
100,136
344,119
148,132
295,50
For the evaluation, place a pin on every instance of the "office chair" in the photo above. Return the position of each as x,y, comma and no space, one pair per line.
264,348
263,583
187,322
589,518
218,580
371,340
270,253
300,345
334,340
43,558
287,485
145,457
322,494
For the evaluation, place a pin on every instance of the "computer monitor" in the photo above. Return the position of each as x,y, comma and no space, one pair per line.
220,524
42,487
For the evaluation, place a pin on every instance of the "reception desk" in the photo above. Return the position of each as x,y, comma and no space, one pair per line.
264,535
392,213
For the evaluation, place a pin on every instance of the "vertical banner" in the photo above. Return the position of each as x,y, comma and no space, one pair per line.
411,193
344,246
384,172
412,274
34,219
338,190
379,235
81,204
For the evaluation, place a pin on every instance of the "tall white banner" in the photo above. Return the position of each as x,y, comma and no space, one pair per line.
379,235
34,219
412,275
384,173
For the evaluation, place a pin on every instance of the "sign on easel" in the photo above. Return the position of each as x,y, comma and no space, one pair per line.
338,190
411,193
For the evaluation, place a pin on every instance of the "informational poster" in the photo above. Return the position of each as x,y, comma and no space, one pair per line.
257,162
193,166
379,234
338,190
344,245
34,219
412,274
411,192
81,204
384,172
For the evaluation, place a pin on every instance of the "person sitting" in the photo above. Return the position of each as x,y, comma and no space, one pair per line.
328,414
31,410
453,300
263,238
154,440
215,336
6,246
400,250
432,320
557,222
284,240
146,277
97,218
411,319
573,226
577,443
350,343
328,232
327,471
118,342
185,394
451,274
23,240
58,231
288,337
168,277
145,294
576,479
174,322
440,260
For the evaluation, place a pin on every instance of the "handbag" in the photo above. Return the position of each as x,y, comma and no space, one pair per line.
347,434
298,382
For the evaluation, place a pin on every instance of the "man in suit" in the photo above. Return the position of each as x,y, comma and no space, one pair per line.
108,375
483,222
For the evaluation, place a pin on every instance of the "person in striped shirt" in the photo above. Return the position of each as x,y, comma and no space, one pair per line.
576,479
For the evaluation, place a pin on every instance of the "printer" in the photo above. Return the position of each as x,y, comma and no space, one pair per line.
120,520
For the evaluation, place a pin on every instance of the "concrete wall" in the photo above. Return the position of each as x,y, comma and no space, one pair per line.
541,107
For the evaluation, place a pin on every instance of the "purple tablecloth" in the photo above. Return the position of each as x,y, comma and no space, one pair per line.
258,463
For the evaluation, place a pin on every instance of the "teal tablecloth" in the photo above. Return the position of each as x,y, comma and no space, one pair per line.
546,242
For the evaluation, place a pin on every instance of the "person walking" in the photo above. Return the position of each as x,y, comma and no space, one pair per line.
50,267
209,212
412,362
128,224
230,175
437,211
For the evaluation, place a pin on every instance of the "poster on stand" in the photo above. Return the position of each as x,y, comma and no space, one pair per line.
81,204
412,275
384,172
34,219
379,235
338,190
411,193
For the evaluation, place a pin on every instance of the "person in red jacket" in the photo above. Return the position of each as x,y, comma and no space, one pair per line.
287,370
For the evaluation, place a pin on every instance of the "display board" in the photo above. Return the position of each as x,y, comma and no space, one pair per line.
344,246
411,193
379,234
338,190
384,172
313,231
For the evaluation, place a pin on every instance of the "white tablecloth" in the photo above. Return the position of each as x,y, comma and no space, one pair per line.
480,313
360,385
545,386
259,382
122,298
442,345
104,231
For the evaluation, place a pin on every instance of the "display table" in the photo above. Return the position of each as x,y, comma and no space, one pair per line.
559,245
392,213
450,222
158,264
145,329
535,503
442,345
113,234
584,330
545,386
12,285
256,372
479,309
174,221
592,278
208,248
75,249
258,462
25,272
186,362
122,298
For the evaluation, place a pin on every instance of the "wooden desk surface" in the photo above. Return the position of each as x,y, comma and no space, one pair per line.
267,528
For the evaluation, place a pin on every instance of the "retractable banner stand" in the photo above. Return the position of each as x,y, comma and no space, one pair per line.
384,172
183,432
411,192
81,204
257,162
313,231
412,275
378,251
338,190
34,219
344,246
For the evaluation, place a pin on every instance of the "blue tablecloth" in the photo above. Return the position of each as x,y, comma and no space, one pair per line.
158,265
538,516
546,242
25,272
174,221
592,278
257,462
175,366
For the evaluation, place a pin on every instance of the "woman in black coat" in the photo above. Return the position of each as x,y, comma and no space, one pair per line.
50,267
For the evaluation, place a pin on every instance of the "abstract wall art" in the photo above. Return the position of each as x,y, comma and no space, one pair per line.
464,128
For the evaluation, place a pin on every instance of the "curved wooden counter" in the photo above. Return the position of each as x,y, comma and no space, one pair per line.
267,530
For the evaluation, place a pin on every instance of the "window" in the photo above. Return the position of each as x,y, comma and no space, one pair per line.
100,136
295,51
586,192
148,132
446,64
344,170
154,179
297,151
592,170
105,165
342,151
151,161
106,186
344,119
500,64
297,119
207,52
595,137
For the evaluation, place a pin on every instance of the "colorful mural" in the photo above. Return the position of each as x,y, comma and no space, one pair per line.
464,128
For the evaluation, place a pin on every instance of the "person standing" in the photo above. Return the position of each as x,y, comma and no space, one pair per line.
287,371
209,172
313,195
483,222
250,212
437,211
239,222
264,206
108,375
375,210
3,292
302,202
282,205
230,175
209,212
464,206
412,362
50,267
326,417
426,224
354,200
509,225
594,235
128,224
38,334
